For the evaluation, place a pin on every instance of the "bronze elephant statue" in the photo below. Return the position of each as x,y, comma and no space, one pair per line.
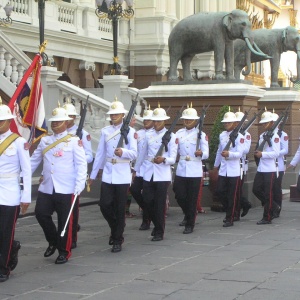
204,32
273,42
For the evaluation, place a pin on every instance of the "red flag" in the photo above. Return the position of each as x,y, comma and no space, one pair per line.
27,104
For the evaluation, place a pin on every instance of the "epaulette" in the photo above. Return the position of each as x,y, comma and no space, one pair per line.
106,126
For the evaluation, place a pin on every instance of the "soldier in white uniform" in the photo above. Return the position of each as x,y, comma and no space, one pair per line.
284,150
243,202
64,176
114,162
14,159
295,161
229,171
87,146
157,173
137,185
263,185
189,170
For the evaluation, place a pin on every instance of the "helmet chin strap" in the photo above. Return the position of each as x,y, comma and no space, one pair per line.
117,121
189,124
4,124
59,126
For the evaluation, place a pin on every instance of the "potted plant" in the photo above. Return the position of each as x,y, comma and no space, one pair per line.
213,148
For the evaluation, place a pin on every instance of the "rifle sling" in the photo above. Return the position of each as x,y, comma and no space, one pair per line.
63,139
7,142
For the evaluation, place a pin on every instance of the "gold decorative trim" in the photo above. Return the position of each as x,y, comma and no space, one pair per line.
293,15
268,23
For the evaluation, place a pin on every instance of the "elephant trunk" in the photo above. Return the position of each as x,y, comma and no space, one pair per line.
259,52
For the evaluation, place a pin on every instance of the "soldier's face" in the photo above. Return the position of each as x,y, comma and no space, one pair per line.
58,126
116,119
71,122
158,125
189,124
148,124
268,125
4,125
229,126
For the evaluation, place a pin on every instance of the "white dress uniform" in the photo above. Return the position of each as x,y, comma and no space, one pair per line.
14,160
64,166
159,172
189,165
116,170
267,162
284,150
229,166
141,140
247,146
263,185
189,172
296,159
86,141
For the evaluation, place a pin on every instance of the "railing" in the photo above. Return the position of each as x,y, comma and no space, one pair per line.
64,17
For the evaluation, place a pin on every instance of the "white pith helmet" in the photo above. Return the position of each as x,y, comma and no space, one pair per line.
59,114
148,113
189,113
240,115
266,117
159,114
5,113
116,107
229,117
70,108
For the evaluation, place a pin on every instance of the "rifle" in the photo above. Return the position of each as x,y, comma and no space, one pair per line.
167,136
201,122
82,118
249,124
284,121
234,133
125,126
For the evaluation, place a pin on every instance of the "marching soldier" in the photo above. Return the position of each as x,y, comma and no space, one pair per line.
243,202
114,163
228,162
137,185
156,172
189,170
64,176
263,185
295,161
284,149
87,146
14,158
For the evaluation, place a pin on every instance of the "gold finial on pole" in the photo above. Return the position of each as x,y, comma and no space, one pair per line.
42,47
158,105
58,103
229,108
191,104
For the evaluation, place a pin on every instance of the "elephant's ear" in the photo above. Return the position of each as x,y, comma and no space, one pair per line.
227,21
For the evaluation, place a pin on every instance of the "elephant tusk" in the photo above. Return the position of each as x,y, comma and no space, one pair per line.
258,49
254,51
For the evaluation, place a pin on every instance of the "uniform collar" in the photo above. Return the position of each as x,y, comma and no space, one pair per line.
147,130
60,135
117,126
190,130
5,134
74,127
161,131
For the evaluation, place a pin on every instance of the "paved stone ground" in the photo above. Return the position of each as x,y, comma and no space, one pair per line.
245,261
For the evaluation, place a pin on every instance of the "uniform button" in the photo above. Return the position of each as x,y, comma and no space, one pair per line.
51,172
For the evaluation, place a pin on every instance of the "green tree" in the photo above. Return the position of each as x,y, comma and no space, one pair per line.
214,136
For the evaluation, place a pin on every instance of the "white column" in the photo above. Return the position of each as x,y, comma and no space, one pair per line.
114,86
